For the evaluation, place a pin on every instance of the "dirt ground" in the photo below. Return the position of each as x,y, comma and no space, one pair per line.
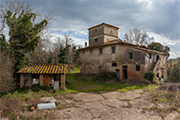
129,105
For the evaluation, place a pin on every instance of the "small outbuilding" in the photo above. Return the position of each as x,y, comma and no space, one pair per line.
45,75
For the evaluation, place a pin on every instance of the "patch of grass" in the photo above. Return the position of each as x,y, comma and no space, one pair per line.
128,99
150,88
75,70
164,96
86,83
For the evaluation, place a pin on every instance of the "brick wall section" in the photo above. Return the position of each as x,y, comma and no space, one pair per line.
41,80
63,77
133,74
21,80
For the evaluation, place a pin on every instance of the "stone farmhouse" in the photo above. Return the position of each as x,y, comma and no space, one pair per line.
107,53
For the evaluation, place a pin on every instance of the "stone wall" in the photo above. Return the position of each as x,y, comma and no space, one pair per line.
111,31
99,38
133,74
94,62
103,34
161,67
96,31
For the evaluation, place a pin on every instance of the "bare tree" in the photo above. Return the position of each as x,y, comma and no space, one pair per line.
137,36
6,73
42,52
16,6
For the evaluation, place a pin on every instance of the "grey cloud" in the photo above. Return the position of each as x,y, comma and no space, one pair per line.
162,18
165,18
92,12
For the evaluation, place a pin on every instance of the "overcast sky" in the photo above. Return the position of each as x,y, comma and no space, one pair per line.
160,18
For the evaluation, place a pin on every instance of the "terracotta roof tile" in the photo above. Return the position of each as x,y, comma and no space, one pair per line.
45,69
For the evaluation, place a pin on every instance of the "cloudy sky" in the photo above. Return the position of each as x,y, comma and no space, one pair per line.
160,18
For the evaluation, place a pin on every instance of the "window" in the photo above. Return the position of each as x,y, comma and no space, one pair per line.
137,67
95,30
150,55
100,51
113,49
114,64
96,40
130,56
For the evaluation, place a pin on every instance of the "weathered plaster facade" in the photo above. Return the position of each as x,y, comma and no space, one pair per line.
128,60
102,33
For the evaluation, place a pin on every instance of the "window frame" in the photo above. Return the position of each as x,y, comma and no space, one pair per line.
95,30
130,58
113,50
100,51
138,68
95,40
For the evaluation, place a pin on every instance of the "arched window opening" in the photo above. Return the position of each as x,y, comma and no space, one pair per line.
157,75
114,64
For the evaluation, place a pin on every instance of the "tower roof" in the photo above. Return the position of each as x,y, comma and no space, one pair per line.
103,24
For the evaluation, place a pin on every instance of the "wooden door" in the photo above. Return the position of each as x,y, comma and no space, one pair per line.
125,72
46,79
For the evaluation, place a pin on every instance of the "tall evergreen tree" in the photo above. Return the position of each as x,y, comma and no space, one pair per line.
23,35
4,46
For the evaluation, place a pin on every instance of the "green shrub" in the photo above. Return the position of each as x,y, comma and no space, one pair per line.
162,76
106,76
149,76
37,87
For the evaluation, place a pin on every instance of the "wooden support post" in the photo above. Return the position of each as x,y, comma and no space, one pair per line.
31,81
63,80
21,80
41,80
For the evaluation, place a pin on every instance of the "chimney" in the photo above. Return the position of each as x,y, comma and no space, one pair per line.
85,44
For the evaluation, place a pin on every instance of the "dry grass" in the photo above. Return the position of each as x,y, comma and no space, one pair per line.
11,107
170,99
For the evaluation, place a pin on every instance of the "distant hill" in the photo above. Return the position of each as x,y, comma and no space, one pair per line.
172,62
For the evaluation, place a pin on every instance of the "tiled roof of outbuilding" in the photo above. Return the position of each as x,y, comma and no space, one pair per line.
45,69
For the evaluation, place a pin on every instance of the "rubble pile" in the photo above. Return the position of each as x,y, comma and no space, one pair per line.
170,87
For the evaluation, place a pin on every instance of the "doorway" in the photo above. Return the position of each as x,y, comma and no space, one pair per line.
124,72
117,73
157,58
46,79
